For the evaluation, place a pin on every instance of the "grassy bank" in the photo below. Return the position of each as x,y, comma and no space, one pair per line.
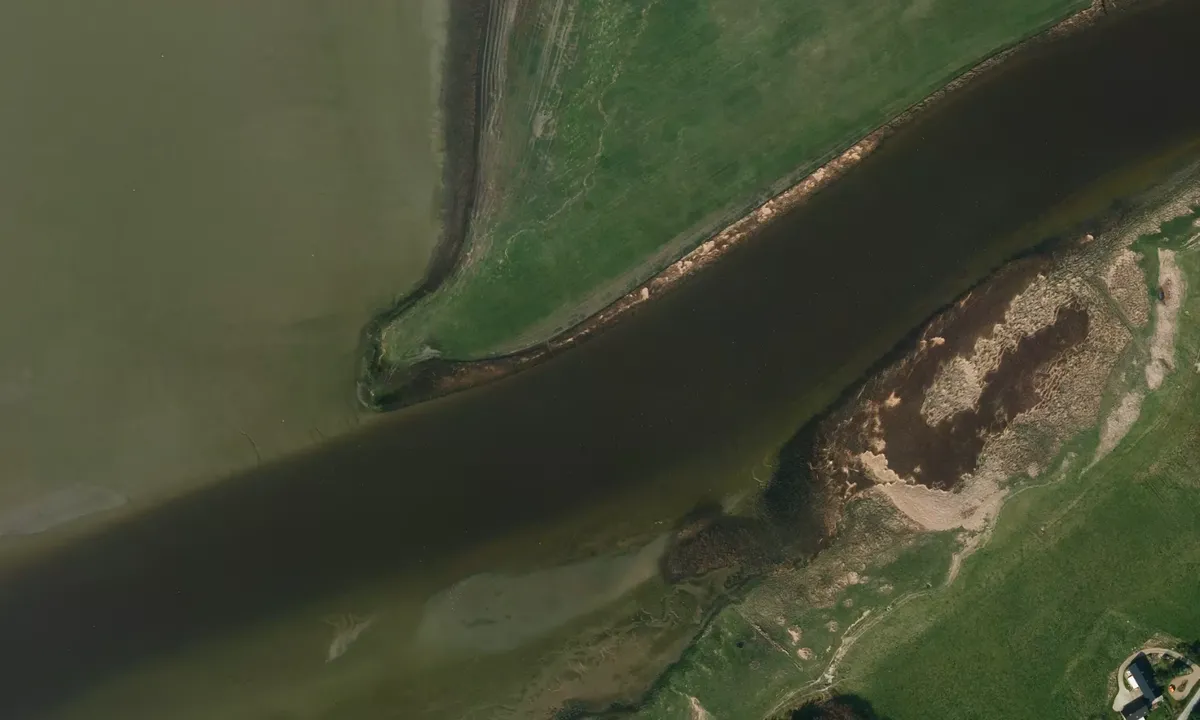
786,632
1076,576
1084,565
624,134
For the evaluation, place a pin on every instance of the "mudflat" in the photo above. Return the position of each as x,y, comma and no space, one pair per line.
200,207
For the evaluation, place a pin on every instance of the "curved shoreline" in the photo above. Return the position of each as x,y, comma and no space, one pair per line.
462,107
382,387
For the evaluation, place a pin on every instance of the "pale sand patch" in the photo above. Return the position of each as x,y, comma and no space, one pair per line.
877,467
969,546
1162,344
57,508
346,630
1034,308
496,612
959,383
697,710
970,509
957,387
1126,283
1118,424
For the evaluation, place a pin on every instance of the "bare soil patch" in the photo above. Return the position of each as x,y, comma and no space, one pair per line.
1126,284
1119,422
1171,290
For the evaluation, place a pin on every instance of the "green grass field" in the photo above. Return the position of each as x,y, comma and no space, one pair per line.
1082,568
780,638
626,132
1077,575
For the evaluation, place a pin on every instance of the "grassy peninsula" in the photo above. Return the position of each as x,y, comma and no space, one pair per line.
614,137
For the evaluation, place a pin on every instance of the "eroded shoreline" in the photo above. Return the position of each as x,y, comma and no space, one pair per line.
383,387
462,105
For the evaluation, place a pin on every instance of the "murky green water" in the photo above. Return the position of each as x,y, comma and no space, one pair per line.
469,542
200,206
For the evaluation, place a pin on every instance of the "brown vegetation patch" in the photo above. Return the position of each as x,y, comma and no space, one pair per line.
887,416
718,543
938,456
995,386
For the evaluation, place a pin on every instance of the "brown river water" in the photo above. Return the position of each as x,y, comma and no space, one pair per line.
547,490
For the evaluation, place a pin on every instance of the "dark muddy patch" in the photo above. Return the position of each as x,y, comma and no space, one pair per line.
886,416
938,456
792,521
724,542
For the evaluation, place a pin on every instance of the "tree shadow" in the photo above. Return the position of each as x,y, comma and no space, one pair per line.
838,707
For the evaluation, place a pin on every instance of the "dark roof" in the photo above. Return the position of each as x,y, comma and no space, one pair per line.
1136,710
1144,677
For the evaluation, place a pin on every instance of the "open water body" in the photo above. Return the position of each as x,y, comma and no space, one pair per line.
674,407
201,204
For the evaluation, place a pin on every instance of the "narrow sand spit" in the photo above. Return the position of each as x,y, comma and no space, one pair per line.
496,612
346,630
59,508
956,388
1118,424
1166,312
877,466
1126,285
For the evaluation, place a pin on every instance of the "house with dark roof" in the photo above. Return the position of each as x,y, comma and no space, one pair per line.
1143,675
1139,675
1136,710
